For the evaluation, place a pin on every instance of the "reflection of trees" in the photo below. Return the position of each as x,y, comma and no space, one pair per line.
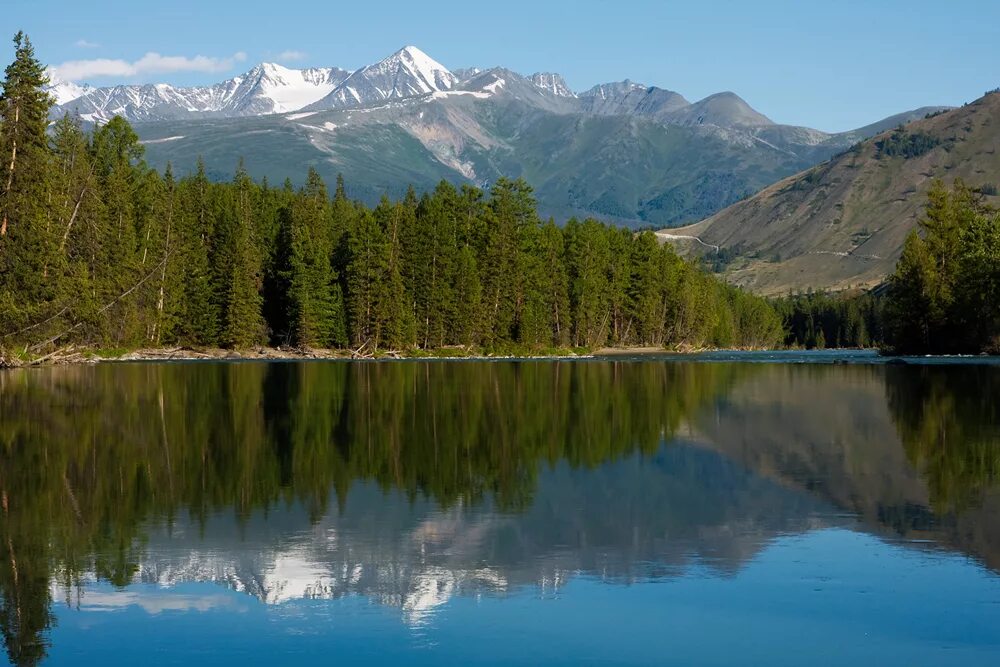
949,422
88,454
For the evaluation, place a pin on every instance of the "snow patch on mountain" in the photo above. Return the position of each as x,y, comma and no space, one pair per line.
162,141
266,89
293,89
65,91
552,83
407,73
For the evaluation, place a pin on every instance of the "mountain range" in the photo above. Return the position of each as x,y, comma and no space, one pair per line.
842,223
625,152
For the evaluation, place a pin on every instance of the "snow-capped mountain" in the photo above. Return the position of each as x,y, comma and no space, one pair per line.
65,91
407,73
266,89
553,83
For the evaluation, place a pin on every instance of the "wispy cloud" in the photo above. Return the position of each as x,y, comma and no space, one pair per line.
85,44
151,63
289,56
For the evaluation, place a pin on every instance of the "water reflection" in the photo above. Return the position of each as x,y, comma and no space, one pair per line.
413,484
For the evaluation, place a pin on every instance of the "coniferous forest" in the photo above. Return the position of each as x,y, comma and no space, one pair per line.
943,298
97,249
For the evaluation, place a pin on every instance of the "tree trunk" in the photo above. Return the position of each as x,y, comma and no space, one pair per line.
10,170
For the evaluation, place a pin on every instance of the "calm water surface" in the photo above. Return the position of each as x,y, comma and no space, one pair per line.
629,512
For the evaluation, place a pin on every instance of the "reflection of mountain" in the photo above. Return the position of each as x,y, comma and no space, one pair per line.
633,519
832,431
411,483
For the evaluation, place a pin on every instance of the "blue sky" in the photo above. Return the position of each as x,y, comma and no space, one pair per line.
832,66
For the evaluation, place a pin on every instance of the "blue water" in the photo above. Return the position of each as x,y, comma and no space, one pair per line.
817,510
831,597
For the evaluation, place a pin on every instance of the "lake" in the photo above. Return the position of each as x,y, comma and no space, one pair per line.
790,509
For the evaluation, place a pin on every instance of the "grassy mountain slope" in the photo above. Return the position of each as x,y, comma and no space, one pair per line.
843,222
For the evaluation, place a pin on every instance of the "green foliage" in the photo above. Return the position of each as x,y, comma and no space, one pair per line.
819,320
103,251
905,144
944,296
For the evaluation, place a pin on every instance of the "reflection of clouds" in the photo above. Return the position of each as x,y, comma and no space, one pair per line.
154,602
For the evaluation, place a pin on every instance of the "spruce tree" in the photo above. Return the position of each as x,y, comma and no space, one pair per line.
199,321
314,301
25,235
243,322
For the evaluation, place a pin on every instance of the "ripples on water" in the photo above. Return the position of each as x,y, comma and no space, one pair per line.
652,511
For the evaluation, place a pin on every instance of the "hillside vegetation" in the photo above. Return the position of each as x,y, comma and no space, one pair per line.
843,223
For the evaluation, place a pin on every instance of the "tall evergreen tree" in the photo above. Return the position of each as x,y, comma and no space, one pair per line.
25,232
199,320
314,300
240,272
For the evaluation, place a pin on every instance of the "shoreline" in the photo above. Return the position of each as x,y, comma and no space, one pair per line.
73,356
82,356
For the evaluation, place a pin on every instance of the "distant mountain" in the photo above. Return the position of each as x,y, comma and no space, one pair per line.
843,223
465,73
723,110
624,151
266,89
552,83
407,73
65,91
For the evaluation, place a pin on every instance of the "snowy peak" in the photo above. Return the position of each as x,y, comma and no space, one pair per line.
552,83
65,91
407,73
271,88
416,63
266,89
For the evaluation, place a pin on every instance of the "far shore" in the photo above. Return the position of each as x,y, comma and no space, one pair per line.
73,355
85,356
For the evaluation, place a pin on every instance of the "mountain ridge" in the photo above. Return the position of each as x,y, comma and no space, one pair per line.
625,152
842,223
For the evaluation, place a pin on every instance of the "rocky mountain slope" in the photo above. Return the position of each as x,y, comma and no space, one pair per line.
625,152
843,222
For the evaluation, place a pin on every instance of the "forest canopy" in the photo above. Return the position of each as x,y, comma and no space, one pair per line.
98,249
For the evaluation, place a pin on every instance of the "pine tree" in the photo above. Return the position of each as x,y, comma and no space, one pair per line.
393,307
589,257
117,156
199,322
366,272
646,306
512,211
25,233
314,301
241,272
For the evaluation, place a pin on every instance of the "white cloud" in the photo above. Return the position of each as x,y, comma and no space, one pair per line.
85,44
151,63
287,56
